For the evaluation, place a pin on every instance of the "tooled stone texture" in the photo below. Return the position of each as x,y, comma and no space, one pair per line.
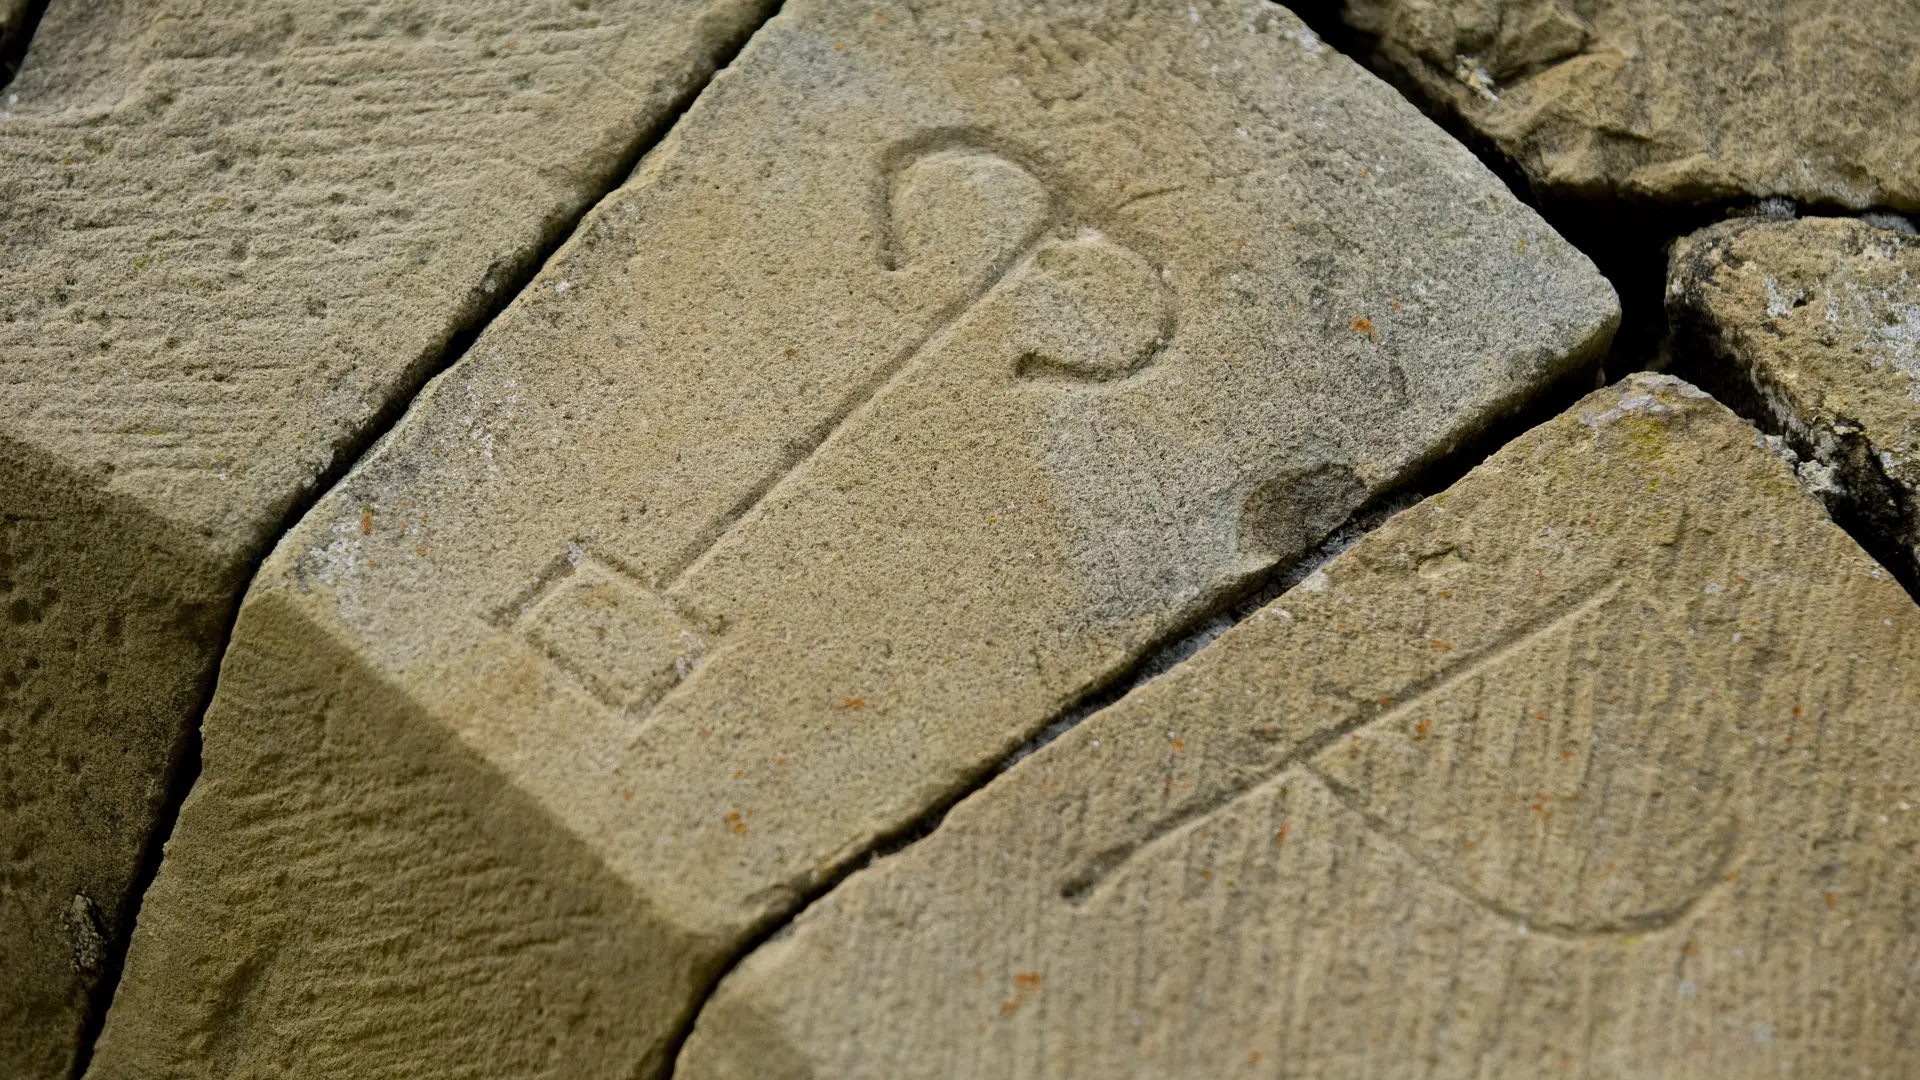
938,363
1599,763
1675,101
232,235
1818,320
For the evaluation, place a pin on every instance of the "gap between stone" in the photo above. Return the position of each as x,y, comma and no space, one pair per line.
486,306
1434,475
1628,241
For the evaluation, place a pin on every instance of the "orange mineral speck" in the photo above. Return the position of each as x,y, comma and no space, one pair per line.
1026,980
1363,325
1281,836
737,823
366,522
854,703
1421,728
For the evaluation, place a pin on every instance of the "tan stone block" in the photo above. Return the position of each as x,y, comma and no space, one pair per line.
1675,100
1599,763
940,362
234,236
1817,323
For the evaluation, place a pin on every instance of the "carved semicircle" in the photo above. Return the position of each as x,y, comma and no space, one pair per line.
1516,783
962,212
1089,309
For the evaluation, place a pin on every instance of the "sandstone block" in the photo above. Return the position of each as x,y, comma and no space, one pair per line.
1599,763
1817,322
940,361
233,236
1675,101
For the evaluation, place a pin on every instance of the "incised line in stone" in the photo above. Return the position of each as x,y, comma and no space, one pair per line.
1081,888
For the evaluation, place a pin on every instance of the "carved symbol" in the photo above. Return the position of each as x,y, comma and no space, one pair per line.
628,644
958,220
1669,881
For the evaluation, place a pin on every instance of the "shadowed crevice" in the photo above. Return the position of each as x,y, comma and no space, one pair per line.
490,296
1626,237
1629,240
179,778
16,33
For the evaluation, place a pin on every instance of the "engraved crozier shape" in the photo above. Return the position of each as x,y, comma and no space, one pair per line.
1072,304
1088,308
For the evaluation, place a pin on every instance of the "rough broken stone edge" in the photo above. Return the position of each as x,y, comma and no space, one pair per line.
1817,451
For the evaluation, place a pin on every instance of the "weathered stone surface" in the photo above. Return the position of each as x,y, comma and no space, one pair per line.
1817,321
1600,763
939,362
231,234
1675,100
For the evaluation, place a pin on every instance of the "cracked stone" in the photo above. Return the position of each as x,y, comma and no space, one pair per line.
1601,759
1817,323
1674,102
938,364
231,235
